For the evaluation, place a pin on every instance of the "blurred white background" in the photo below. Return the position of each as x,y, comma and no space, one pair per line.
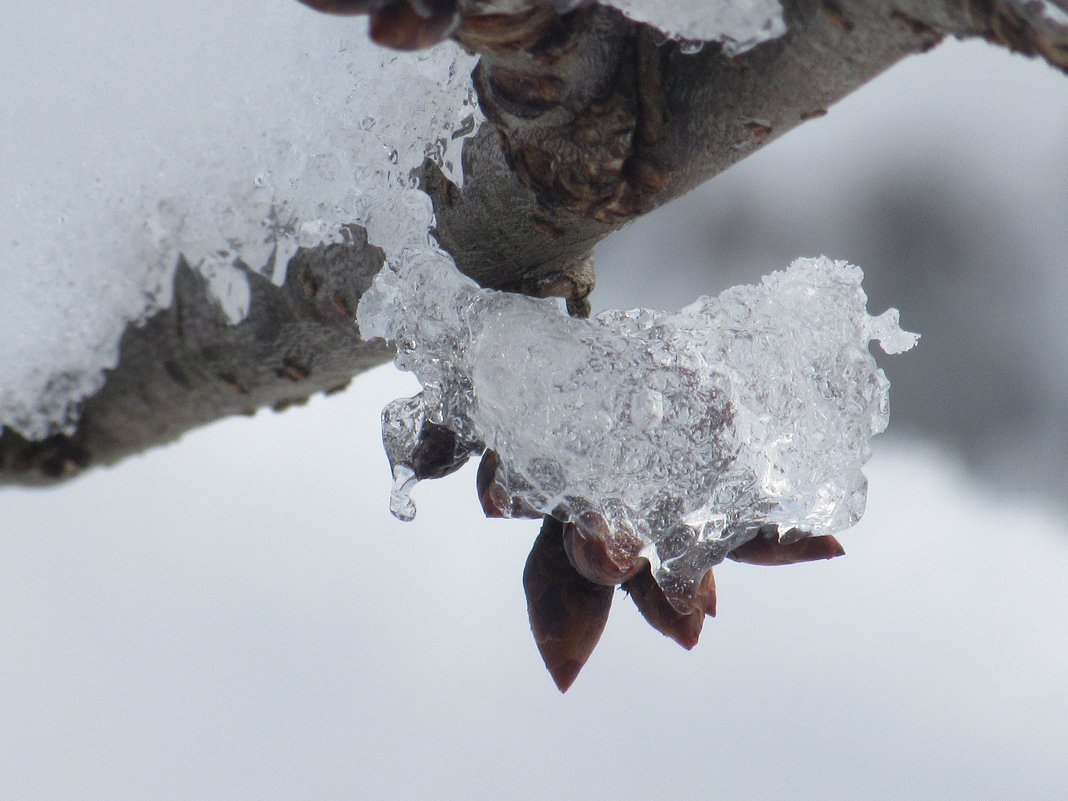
238,617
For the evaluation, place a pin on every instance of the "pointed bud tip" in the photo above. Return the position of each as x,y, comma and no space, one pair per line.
684,627
564,673
825,547
688,632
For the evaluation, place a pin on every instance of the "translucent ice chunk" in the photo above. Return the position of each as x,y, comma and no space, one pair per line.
738,25
400,496
691,429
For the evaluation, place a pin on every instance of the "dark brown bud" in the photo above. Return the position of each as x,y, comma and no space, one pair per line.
495,499
493,504
766,549
400,24
438,452
683,627
705,597
600,554
567,612
402,27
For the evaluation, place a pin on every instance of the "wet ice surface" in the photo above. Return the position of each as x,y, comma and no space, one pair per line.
230,133
738,26
689,429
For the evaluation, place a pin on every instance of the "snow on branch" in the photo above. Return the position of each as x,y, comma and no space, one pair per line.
94,232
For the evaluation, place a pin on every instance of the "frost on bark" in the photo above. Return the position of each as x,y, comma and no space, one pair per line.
593,119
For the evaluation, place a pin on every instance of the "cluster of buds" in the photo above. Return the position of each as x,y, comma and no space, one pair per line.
575,565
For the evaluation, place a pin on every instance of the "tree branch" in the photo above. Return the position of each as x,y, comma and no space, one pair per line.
594,121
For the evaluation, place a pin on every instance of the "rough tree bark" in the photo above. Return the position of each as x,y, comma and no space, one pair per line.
593,121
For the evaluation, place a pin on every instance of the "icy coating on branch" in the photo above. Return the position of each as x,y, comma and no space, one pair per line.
738,26
230,133
688,429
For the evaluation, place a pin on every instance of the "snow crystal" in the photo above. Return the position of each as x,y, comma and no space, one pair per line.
691,429
738,26
230,133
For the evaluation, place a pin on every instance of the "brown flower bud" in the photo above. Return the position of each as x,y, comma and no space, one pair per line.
599,553
495,499
438,452
767,549
567,612
683,627
402,27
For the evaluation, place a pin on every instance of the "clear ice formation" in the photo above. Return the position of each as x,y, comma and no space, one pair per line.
691,429
738,25
231,133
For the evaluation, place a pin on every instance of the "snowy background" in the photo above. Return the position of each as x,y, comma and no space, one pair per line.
238,616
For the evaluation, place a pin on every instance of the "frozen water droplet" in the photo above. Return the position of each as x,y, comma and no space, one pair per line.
400,496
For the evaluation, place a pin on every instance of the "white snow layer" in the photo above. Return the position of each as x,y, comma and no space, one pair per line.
231,133
690,429
738,26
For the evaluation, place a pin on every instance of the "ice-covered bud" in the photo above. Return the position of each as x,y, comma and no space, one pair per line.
602,552
496,499
670,437
682,625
